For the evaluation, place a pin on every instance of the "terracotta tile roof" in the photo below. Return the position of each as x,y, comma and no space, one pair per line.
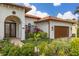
32,16
17,5
50,18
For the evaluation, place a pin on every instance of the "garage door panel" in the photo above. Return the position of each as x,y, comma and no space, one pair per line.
61,31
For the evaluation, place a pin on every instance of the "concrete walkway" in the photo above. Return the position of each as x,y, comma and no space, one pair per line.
16,42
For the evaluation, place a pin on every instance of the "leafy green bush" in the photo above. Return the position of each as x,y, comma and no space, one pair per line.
29,35
38,35
27,49
78,32
1,45
14,51
58,47
74,48
53,48
43,48
11,50
6,48
43,35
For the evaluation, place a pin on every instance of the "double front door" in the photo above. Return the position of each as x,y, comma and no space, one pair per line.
10,29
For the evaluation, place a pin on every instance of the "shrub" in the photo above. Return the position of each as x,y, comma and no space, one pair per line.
6,48
43,48
74,48
14,51
1,45
38,35
53,48
11,50
58,47
29,35
43,35
27,49
78,32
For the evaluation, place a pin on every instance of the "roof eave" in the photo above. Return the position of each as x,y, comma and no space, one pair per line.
32,16
26,8
55,20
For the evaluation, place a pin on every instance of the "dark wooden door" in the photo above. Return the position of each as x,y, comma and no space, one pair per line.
61,31
10,29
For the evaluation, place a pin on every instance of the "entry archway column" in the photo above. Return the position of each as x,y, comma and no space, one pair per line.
1,30
23,30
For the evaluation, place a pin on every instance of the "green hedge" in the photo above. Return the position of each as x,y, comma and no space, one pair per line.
54,48
11,50
27,49
74,47
40,35
77,32
60,48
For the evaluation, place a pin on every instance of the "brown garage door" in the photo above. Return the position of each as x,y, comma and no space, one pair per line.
61,31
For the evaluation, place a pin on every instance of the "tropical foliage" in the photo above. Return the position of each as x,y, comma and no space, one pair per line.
41,46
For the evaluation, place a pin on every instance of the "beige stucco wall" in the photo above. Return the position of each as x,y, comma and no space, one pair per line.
74,29
52,23
44,27
6,11
30,20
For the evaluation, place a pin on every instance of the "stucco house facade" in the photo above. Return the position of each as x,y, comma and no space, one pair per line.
53,26
13,21
56,27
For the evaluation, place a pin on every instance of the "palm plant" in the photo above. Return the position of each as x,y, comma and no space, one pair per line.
77,10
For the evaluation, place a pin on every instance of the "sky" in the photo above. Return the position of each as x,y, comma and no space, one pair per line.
61,10
53,10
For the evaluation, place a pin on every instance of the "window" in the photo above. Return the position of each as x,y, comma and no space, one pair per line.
13,12
29,27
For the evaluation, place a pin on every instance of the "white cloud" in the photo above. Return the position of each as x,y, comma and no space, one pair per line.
35,12
67,15
56,4
41,14
60,15
27,4
77,15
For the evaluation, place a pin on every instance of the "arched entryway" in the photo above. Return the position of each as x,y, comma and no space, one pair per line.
12,26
